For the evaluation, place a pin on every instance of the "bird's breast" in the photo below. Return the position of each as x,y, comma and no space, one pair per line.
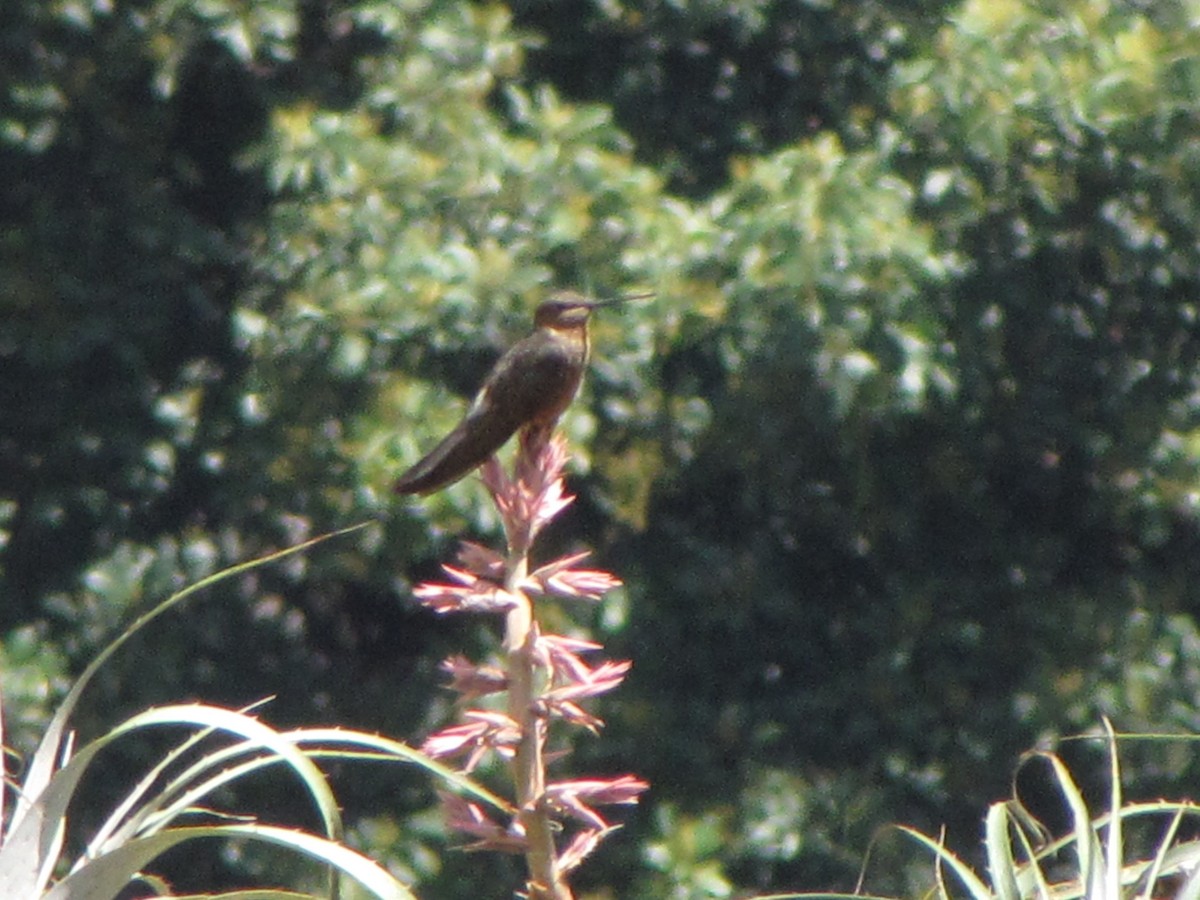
539,377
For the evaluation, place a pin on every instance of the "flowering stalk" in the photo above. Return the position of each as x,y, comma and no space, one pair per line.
544,675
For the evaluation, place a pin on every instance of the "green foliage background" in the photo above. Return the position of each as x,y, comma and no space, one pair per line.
901,466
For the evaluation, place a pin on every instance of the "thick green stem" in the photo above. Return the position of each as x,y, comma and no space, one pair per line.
529,769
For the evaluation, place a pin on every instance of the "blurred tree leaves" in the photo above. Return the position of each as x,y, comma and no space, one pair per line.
700,83
900,464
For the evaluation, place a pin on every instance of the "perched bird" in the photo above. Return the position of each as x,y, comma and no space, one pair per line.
531,385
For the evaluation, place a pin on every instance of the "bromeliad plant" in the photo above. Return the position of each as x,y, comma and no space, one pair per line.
1093,861
40,858
543,678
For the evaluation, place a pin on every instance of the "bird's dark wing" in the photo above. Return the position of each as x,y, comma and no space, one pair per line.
465,448
513,394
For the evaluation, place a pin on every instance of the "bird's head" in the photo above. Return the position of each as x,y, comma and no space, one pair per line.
568,309
564,309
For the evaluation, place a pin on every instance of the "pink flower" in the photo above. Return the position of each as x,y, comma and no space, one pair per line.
604,677
581,847
572,797
561,579
534,495
569,712
559,654
574,679
471,594
483,731
481,560
471,680
469,818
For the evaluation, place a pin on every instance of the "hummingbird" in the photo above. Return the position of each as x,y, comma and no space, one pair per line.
530,386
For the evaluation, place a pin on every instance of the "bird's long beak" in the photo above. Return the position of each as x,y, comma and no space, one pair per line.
613,301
